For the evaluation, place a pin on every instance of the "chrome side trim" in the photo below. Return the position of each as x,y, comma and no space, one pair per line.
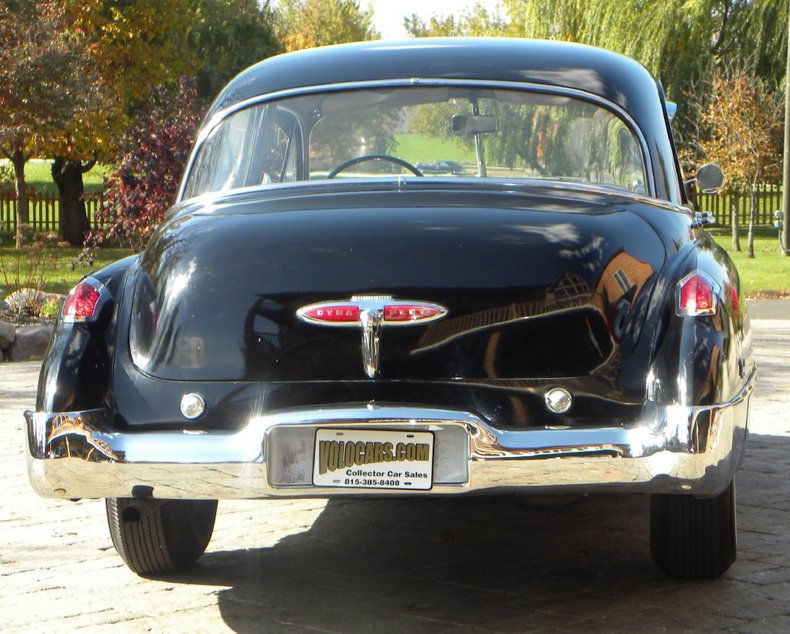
671,449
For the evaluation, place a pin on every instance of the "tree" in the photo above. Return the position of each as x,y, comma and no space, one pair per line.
17,121
137,44
763,40
226,37
84,130
71,72
155,151
477,22
309,23
744,133
125,47
44,96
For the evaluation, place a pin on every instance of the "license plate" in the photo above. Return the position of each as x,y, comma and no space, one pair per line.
373,459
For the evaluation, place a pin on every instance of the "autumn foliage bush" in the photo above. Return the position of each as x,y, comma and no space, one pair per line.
154,154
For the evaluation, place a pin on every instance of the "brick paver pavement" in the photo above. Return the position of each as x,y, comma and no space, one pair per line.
471,564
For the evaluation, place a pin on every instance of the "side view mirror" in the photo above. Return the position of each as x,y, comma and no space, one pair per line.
672,110
709,179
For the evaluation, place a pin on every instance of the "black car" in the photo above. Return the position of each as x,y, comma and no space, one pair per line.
305,324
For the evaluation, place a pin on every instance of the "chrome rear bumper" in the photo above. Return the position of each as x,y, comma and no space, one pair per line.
672,449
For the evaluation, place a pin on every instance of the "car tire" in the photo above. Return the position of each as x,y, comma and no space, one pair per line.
156,537
693,538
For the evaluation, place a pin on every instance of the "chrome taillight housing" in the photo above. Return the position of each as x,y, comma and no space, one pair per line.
695,295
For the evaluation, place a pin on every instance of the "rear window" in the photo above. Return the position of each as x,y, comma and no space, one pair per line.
418,132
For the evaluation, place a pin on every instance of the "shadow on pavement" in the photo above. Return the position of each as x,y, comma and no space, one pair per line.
504,564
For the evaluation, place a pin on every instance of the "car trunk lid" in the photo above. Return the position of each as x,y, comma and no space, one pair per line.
533,286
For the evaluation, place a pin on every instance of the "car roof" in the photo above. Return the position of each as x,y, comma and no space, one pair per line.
614,77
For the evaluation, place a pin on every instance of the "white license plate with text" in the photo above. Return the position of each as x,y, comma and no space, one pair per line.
373,459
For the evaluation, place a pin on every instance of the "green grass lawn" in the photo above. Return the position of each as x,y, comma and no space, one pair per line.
418,147
48,269
768,273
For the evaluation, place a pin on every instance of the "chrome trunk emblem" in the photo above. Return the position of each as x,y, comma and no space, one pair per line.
371,321
370,313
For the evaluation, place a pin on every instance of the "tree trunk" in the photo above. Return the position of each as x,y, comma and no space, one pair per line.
72,217
736,239
18,160
752,213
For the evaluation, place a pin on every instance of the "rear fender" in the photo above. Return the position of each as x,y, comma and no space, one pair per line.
75,374
707,359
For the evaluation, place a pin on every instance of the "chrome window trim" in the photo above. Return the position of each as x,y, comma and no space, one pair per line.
562,91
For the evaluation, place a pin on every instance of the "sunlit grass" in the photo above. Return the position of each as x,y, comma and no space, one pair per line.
768,272
419,147
49,269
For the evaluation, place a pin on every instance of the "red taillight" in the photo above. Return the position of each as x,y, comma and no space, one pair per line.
735,301
696,295
83,302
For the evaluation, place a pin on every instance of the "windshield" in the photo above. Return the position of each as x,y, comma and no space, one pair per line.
418,132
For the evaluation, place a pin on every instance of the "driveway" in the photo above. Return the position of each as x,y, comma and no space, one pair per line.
473,564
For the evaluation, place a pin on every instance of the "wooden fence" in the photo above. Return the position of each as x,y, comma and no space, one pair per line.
43,210
768,199
44,207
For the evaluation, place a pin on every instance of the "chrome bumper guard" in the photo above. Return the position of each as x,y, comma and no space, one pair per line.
673,448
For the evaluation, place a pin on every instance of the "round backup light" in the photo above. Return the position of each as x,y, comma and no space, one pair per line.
193,405
558,400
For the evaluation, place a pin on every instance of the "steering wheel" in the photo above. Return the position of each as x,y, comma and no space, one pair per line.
374,157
